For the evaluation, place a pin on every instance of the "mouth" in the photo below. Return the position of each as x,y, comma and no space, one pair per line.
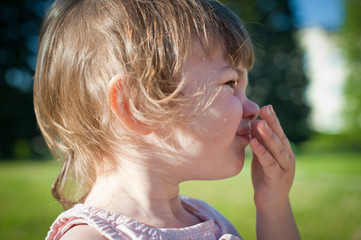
244,133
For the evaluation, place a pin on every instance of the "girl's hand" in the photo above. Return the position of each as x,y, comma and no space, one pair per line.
273,171
273,164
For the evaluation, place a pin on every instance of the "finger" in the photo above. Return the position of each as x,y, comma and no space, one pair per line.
254,131
274,144
268,163
268,114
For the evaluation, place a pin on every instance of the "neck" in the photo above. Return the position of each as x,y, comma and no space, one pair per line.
139,193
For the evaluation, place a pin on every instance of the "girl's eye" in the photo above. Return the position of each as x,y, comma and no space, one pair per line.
232,83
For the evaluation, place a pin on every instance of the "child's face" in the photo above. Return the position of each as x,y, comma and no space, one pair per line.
214,145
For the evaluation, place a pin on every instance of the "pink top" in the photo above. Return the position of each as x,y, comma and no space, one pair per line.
113,226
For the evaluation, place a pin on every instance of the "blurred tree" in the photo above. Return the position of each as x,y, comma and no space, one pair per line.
350,41
19,21
278,77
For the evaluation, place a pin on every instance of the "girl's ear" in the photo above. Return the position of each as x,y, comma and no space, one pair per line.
120,107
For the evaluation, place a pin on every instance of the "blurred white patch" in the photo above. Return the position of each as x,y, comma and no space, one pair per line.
326,70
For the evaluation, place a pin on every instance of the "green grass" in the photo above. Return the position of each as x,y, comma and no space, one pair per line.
326,197
26,205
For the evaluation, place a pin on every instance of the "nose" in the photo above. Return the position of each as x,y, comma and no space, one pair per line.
250,110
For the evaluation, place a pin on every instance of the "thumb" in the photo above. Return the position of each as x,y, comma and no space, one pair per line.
256,168
254,131
255,134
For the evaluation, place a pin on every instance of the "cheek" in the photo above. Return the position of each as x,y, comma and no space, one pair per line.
222,120
213,132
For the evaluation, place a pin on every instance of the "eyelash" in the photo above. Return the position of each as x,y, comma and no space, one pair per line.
232,83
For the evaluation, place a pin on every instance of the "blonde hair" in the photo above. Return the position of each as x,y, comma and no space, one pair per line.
84,43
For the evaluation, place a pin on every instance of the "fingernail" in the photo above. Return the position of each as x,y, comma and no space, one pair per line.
269,110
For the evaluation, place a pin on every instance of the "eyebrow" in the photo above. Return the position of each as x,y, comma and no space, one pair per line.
228,66
238,70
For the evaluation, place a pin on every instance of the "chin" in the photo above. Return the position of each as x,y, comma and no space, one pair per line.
236,168
239,164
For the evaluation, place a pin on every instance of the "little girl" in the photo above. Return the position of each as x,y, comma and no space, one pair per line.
135,97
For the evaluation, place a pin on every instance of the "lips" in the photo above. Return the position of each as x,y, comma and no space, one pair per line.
244,132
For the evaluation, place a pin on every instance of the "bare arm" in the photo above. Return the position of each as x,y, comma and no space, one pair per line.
273,170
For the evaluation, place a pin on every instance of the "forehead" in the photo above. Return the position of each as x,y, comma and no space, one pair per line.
213,59
198,56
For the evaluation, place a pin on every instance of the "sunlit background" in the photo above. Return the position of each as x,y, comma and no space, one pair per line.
308,66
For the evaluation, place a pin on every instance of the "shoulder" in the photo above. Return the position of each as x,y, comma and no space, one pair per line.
82,232
205,208
82,222
87,222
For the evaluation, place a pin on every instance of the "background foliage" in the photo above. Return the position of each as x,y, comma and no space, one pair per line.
350,42
19,21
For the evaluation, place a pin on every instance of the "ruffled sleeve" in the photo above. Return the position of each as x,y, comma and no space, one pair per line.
105,223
